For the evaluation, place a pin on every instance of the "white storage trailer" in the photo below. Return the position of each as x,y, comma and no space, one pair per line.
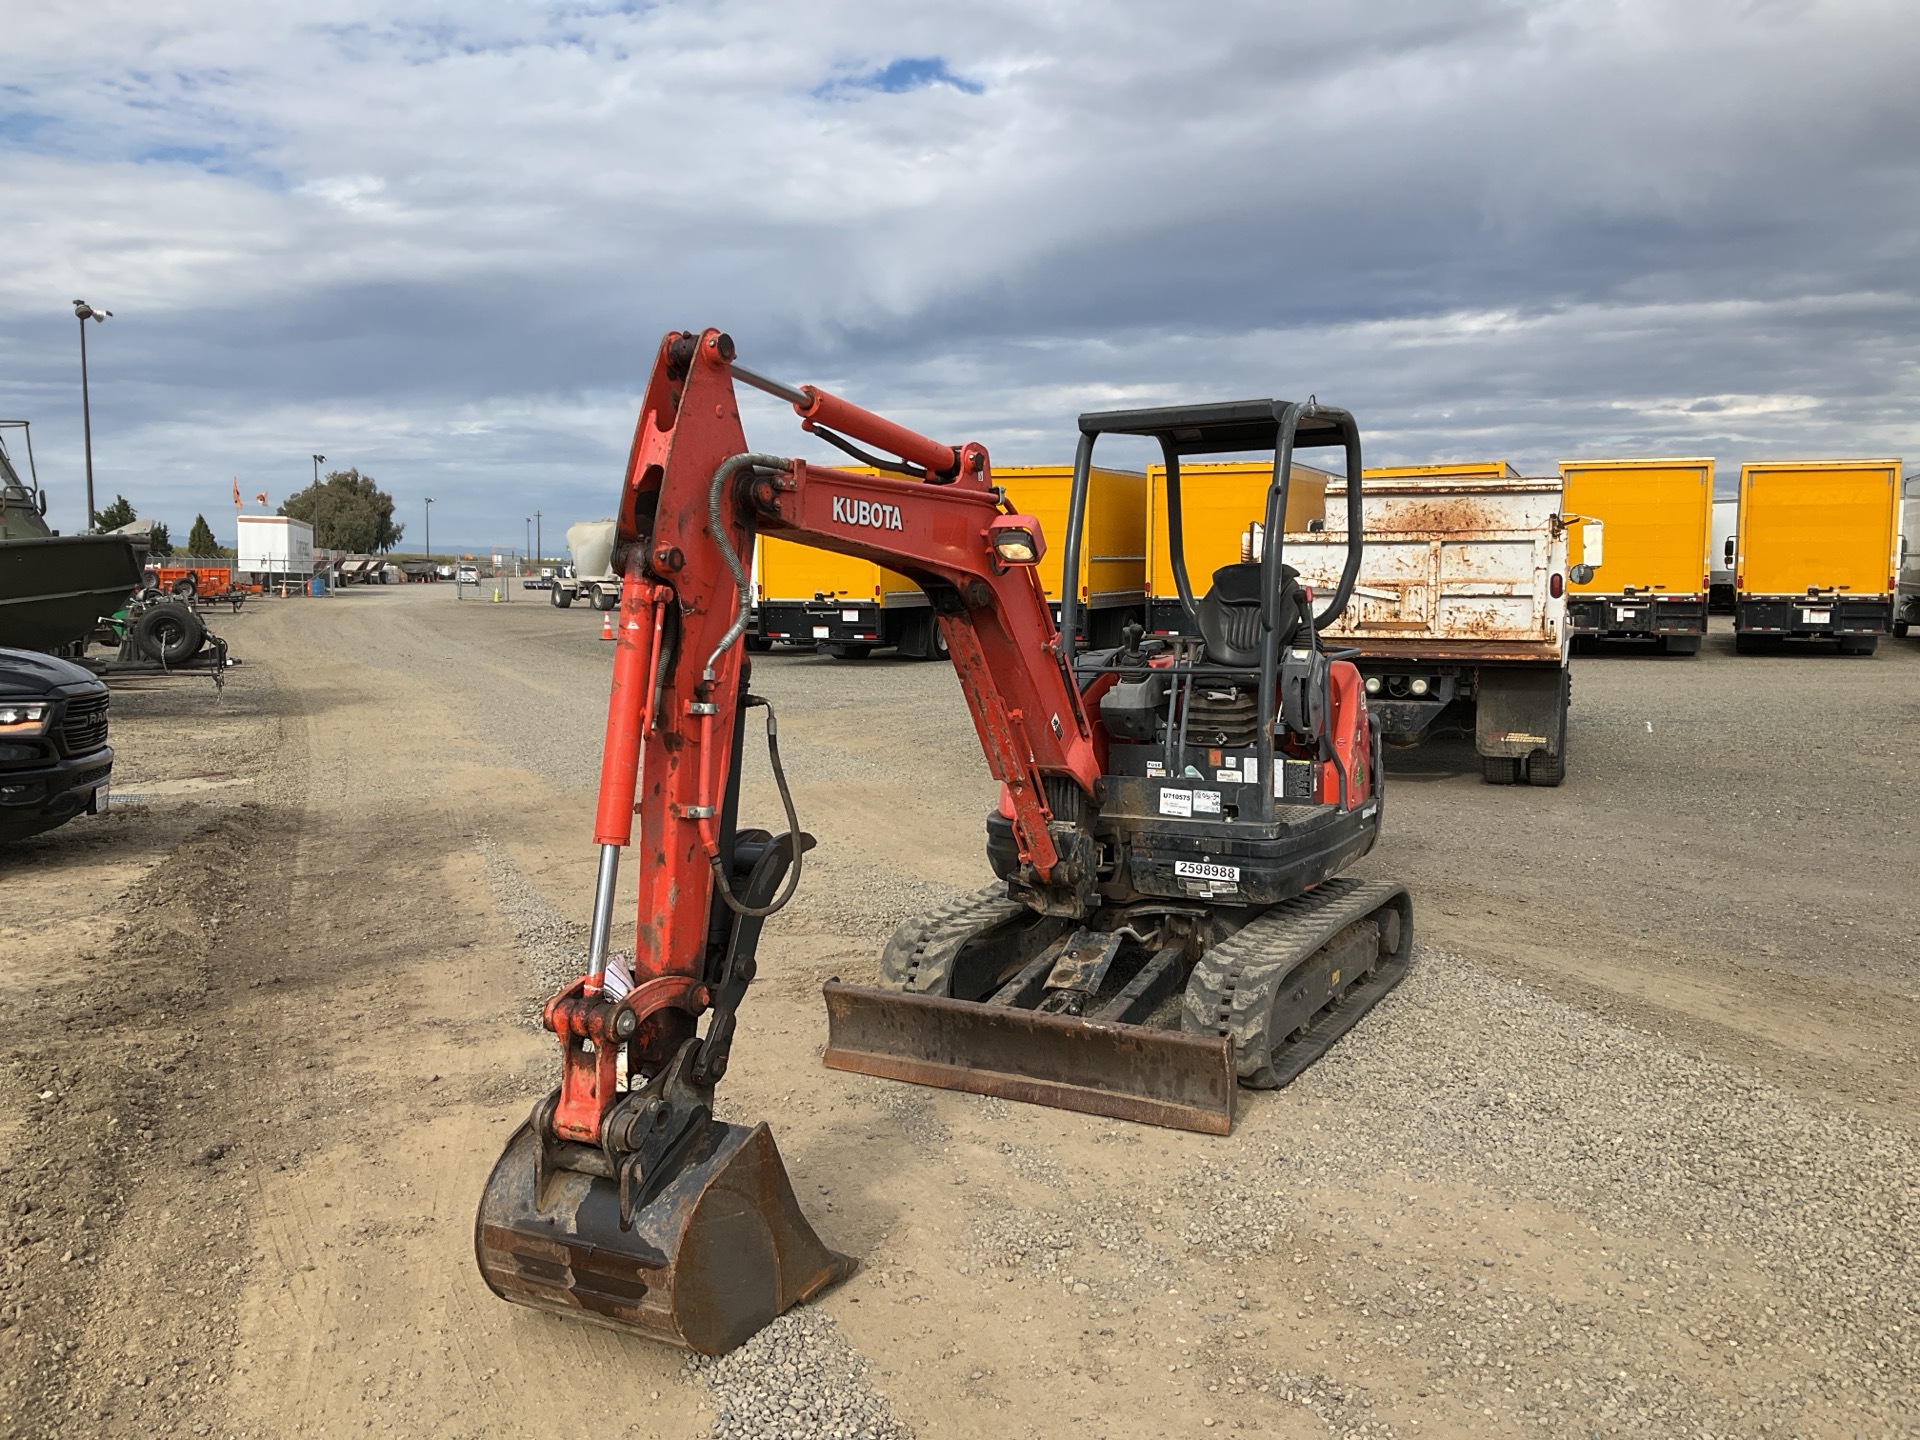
274,545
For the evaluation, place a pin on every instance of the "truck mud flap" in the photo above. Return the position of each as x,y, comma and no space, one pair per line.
1127,1072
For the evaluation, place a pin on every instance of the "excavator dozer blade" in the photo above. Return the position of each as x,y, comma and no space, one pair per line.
1129,1072
716,1255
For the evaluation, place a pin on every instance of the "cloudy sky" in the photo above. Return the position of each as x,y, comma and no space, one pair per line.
440,242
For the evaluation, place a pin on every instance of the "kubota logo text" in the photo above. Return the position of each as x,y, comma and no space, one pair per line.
866,512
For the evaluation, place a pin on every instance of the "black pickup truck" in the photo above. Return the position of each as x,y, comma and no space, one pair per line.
54,759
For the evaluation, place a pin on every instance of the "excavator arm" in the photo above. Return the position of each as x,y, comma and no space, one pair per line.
624,1163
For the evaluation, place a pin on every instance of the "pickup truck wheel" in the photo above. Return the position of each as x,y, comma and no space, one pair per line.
169,634
1500,769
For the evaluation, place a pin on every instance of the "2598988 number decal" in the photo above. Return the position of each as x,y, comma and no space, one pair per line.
1199,870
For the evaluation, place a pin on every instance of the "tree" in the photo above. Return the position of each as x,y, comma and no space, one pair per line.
348,512
200,539
162,543
119,513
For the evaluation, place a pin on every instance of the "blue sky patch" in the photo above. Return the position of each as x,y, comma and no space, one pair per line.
897,77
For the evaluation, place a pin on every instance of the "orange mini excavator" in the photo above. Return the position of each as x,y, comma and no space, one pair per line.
1169,920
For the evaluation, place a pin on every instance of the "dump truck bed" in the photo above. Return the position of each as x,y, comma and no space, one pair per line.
1453,569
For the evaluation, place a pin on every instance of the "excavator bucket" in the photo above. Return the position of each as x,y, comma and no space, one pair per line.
1099,1067
718,1253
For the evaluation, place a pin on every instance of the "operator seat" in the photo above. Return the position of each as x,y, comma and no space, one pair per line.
1229,613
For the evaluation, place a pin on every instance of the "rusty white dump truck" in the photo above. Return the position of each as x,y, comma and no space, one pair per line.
1460,612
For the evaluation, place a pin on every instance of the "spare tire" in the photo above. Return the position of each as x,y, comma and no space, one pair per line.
186,586
169,634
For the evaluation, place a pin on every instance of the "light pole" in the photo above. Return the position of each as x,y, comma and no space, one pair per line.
86,312
539,546
529,539
429,531
316,468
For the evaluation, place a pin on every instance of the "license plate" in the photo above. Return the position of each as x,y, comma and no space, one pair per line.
101,796
1198,870
820,632
1816,617
849,614
1622,614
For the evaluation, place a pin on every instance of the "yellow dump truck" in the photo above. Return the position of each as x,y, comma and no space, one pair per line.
852,607
1659,534
1818,552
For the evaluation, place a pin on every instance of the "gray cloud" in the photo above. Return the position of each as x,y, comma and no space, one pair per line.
442,244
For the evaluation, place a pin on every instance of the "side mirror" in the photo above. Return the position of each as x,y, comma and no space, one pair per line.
40,503
1581,574
1729,552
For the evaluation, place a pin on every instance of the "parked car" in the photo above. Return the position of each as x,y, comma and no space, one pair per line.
55,762
467,575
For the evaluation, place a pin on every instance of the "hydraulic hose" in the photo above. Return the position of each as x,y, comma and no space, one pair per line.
716,527
720,879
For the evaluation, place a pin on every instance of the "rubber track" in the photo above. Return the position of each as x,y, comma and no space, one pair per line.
1231,990
920,955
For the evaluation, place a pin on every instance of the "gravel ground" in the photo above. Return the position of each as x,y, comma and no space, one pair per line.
1631,1152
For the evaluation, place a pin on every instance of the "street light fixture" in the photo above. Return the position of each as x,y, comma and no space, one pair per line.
86,312
316,468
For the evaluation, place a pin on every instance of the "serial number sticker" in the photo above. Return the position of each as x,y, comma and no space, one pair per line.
1176,802
1816,617
849,614
820,632
1206,802
1226,777
1200,870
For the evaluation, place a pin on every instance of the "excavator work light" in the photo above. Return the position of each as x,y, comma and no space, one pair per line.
1017,540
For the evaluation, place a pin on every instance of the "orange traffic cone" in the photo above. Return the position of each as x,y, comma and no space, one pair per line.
606,626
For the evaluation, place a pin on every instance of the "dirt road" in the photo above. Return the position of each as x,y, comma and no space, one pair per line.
1633,1151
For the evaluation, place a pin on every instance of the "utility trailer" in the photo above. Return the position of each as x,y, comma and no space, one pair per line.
1459,612
1659,524
849,607
1818,553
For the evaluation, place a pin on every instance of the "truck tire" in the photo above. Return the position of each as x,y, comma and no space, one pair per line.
1900,628
186,587
559,599
848,652
1499,769
1547,768
1746,645
169,634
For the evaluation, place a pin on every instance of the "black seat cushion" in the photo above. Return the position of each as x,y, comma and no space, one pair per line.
1229,613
